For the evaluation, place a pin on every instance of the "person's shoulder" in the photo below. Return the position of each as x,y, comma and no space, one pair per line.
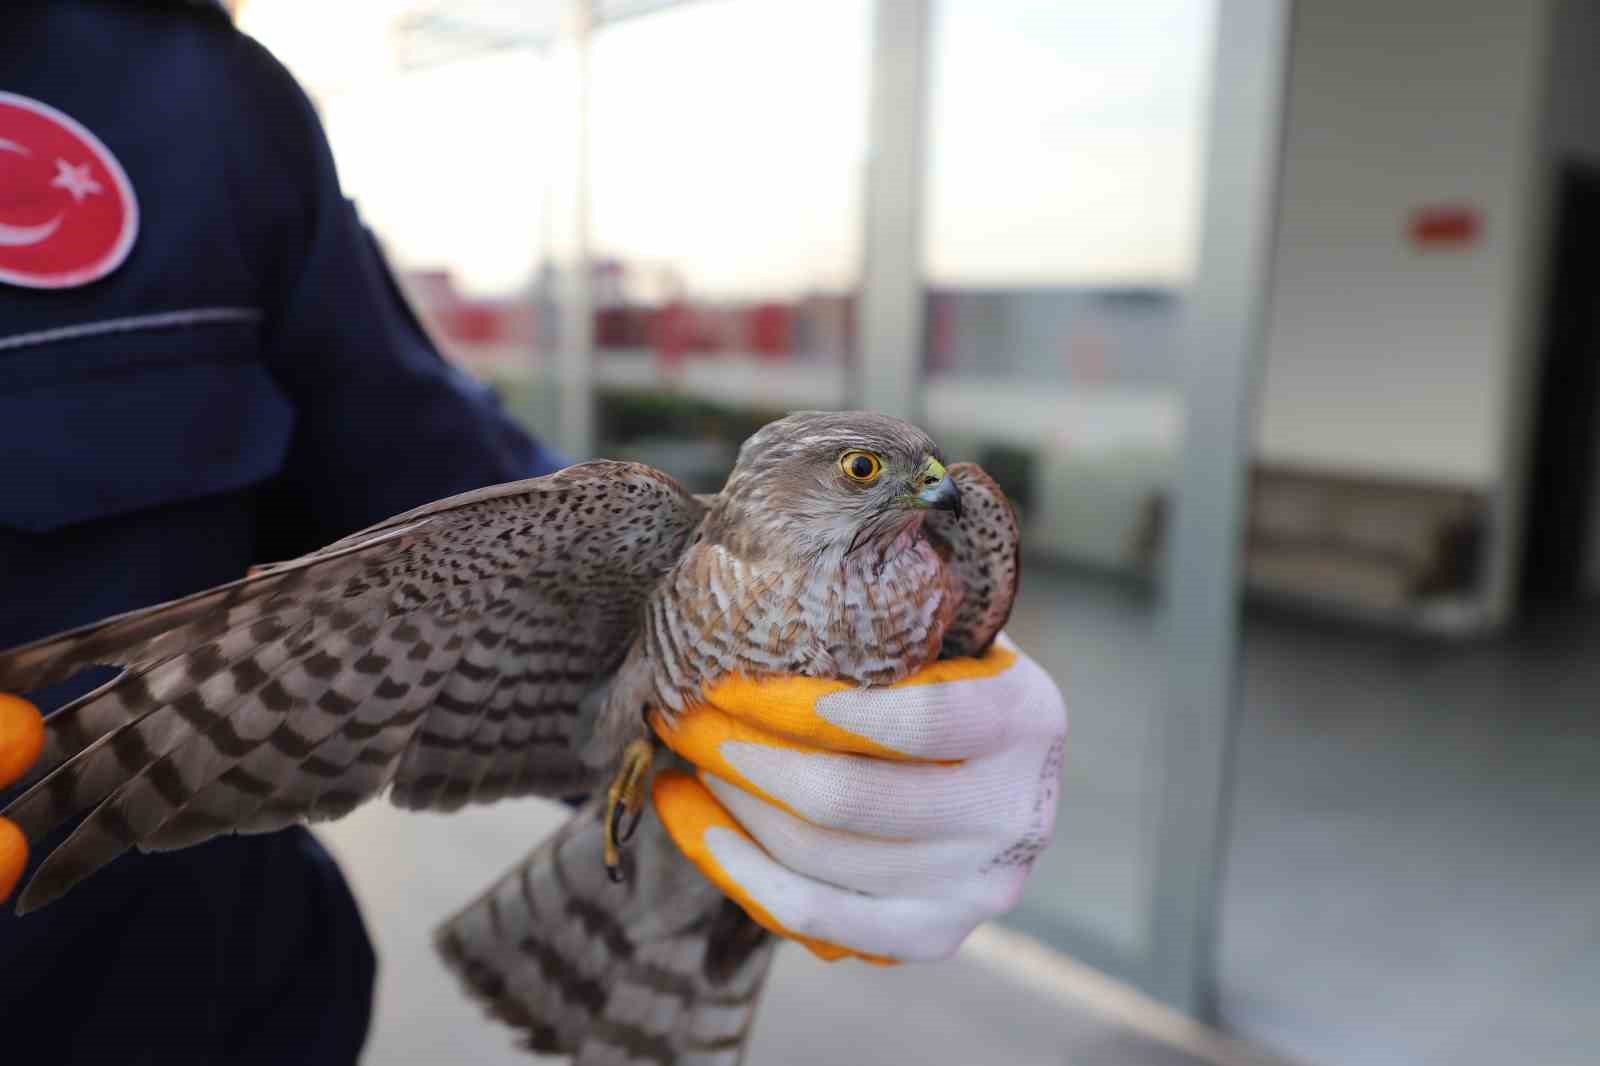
271,121
265,80
194,47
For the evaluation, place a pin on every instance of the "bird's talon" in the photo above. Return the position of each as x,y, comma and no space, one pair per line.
632,825
614,835
625,800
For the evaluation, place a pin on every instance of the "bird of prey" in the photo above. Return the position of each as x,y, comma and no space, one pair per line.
514,641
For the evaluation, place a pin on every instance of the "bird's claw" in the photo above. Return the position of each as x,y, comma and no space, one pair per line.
625,802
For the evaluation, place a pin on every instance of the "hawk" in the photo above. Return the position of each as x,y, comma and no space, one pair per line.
516,641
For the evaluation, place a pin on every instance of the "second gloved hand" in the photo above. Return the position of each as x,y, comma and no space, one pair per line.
881,823
21,739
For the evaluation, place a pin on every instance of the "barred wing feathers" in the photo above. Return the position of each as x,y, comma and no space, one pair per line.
444,652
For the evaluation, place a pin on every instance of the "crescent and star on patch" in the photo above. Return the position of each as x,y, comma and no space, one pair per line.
68,214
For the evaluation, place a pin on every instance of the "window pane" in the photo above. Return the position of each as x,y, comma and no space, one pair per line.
415,105
725,185
1063,167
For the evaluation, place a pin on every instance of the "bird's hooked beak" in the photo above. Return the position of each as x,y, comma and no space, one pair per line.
934,489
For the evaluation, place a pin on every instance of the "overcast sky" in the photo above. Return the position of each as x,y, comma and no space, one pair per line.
728,139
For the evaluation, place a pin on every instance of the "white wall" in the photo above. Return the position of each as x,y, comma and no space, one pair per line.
1382,358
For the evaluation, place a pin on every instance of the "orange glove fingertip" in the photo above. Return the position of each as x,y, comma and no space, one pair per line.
698,733
775,712
21,737
13,856
997,659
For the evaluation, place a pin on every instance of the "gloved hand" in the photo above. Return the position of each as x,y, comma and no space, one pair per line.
880,823
21,738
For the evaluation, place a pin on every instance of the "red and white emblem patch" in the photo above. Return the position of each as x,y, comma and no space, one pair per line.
68,215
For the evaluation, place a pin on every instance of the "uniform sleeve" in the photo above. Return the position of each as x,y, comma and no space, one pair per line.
383,423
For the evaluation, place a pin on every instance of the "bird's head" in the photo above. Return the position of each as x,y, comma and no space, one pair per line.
821,482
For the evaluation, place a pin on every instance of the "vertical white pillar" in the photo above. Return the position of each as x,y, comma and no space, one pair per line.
569,231
890,323
1222,345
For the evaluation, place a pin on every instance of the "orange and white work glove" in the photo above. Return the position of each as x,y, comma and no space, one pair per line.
21,739
880,823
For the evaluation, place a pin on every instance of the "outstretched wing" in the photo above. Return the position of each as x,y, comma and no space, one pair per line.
981,548
445,651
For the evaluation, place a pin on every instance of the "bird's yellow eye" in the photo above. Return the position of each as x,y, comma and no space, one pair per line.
861,466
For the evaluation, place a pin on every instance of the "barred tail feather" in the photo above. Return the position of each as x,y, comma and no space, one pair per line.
660,969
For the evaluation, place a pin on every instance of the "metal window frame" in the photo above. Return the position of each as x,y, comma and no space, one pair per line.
567,234
1224,347
889,346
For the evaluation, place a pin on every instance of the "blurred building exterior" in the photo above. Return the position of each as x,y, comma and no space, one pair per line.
1369,840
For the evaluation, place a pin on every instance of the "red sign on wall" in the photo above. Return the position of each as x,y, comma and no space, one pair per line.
1445,226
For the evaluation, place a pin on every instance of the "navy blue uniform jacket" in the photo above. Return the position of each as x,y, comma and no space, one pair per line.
247,386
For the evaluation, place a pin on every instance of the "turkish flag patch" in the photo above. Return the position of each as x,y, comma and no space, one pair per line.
68,215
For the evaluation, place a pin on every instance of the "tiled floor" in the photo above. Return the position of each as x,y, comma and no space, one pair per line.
1414,873
1415,870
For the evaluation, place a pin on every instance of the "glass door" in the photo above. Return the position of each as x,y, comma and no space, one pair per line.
1097,190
